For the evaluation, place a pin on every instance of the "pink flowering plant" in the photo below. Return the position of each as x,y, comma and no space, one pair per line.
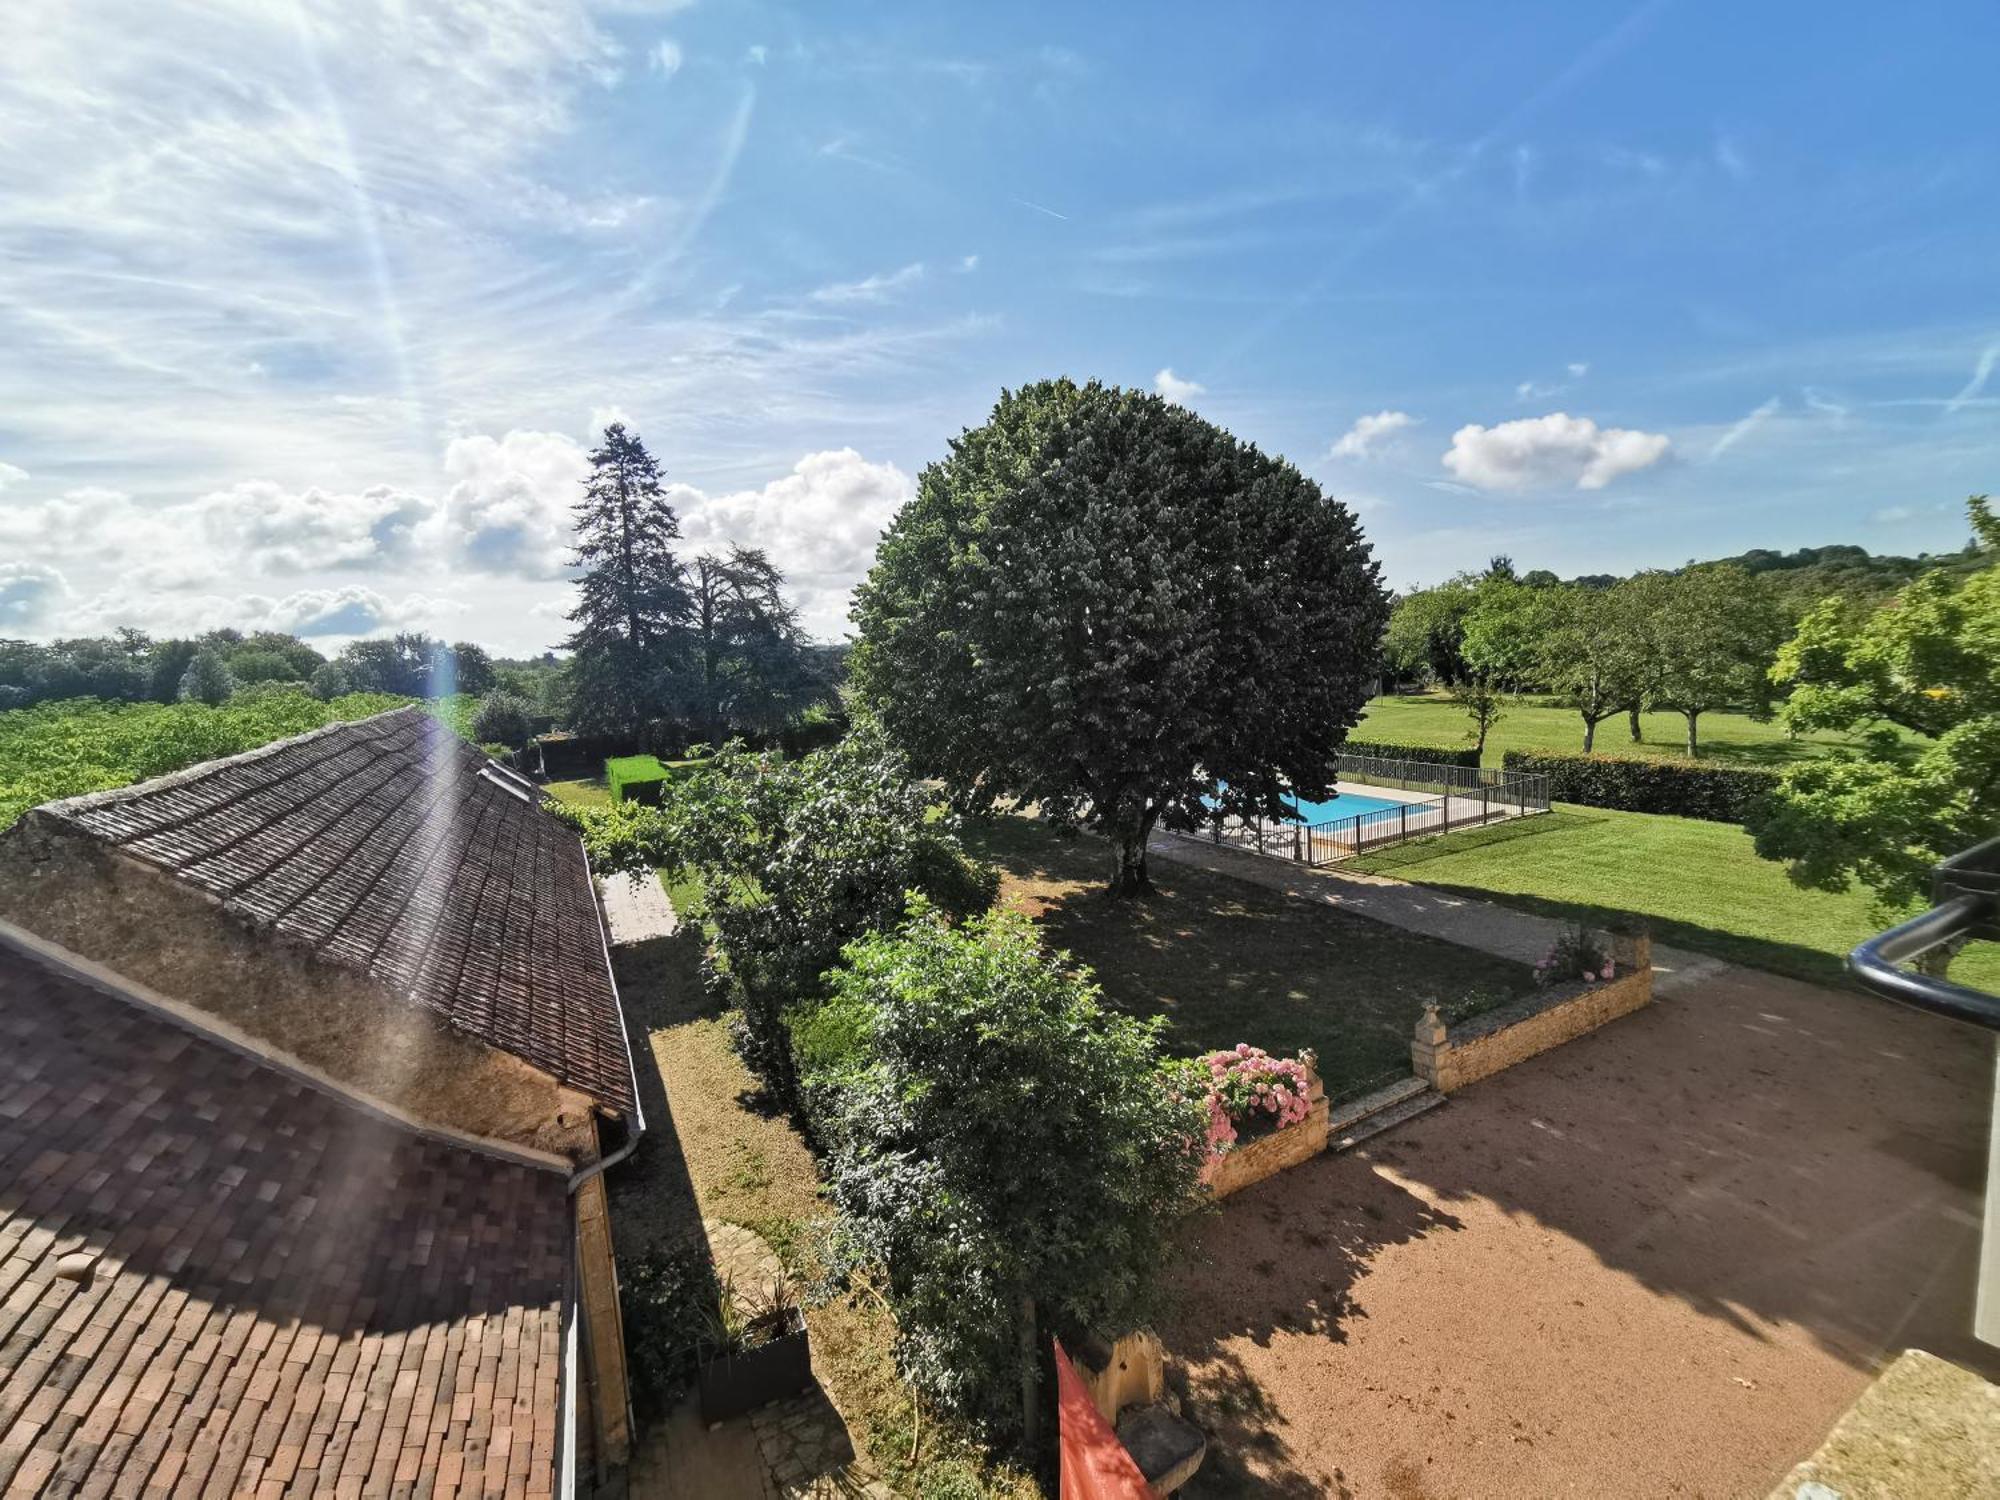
1251,1093
1575,955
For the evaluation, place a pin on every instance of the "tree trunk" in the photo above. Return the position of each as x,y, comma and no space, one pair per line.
1589,735
1132,878
1694,745
1632,717
1031,1407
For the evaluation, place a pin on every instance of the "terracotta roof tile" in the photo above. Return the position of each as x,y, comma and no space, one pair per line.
289,1294
391,846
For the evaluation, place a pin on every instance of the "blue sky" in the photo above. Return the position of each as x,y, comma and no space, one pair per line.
310,310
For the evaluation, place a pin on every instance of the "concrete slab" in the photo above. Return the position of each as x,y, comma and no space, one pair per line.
637,910
1925,1427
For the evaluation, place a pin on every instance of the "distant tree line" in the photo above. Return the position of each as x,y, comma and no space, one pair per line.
667,646
130,666
1687,642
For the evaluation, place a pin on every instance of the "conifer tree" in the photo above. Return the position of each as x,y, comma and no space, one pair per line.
632,598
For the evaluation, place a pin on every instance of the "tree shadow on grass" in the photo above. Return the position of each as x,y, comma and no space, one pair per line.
1278,1261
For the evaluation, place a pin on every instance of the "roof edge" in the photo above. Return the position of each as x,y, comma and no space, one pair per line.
213,1029
62,807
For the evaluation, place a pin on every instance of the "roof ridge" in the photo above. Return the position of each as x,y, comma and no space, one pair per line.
63,807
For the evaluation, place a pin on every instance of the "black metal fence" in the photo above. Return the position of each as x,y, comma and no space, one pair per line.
1464,797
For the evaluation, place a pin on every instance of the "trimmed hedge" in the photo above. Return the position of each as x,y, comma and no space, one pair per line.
1719,794
1430,755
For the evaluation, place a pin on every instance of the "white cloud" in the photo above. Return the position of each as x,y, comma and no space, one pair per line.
1578,369
1890,515
1742,428
968,263
508,509
819,523
665,57
1371,432
272,530
29,594
1175,389
1729,156
877,288
339,613
1553,452
9,474
757,54
354,611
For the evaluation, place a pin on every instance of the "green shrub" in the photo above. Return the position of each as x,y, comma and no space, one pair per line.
1681,789
669,1296
1429,754
635,778
995,1134
503,719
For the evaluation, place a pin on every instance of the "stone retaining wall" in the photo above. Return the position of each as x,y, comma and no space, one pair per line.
1273,1153
1448,1058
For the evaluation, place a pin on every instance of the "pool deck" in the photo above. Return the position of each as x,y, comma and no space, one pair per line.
1277,840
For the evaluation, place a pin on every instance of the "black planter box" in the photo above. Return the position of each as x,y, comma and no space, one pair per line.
750,1378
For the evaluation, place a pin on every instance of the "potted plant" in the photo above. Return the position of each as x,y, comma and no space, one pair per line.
756,1352
1575,956
1251,1094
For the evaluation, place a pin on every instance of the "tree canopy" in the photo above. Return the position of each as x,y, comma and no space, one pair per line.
1101,603
1928,661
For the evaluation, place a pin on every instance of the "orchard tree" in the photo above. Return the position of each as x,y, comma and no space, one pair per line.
1927,662
1714,637
1593,652
1103,604
1427,633
632,599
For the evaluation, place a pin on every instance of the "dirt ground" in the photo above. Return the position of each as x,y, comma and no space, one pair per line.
1660,1260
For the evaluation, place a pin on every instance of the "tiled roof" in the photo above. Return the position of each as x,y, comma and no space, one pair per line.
393,847
286,1294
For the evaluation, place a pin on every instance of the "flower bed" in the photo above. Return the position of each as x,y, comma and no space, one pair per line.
1264,1114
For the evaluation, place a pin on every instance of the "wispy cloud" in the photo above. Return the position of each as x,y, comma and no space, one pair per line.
1748,423
1042,208
1175,389
1369,433
665,57
877,288
1981,373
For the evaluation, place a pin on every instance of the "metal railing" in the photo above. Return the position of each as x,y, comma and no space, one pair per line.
1965,903
1468,797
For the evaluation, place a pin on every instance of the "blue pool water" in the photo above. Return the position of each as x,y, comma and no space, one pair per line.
1346,805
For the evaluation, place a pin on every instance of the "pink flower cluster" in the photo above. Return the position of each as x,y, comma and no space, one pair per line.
1250,1089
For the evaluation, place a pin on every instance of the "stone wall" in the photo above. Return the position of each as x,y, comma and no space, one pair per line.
1255,1160
1448,1058
140,922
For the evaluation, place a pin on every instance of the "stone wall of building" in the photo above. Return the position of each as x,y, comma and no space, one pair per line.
141,922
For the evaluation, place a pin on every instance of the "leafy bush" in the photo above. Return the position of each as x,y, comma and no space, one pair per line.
330,680
670,1297
1574,955
1428,754
1248,1093
1681,789
207,679
79,745
995,1135
503,719
796,860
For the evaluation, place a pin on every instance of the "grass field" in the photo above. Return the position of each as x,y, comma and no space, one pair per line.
1225,962
1701,885
590,793
1727,739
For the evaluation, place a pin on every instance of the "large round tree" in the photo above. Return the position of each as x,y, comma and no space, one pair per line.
1103,604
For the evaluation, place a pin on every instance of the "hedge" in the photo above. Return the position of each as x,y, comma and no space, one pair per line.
1720,794
1431,755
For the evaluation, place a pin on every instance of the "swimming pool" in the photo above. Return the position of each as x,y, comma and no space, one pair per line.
1346,805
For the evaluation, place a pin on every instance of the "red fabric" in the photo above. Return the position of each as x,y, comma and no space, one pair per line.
1095,1465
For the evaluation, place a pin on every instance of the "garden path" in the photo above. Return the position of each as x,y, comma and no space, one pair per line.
637,909
1469,922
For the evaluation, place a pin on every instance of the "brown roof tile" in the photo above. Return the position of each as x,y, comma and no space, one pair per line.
391,846
288,1291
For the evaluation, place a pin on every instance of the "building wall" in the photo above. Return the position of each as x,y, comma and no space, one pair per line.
137,919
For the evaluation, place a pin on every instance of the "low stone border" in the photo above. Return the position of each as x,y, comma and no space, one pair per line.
1448,1058
1270,1154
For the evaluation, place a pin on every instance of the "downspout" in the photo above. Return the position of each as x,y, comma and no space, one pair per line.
634,1130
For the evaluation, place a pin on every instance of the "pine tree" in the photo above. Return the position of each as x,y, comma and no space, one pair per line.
632,597
748,663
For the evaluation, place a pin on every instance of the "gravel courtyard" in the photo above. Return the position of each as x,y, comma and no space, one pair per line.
1660,1260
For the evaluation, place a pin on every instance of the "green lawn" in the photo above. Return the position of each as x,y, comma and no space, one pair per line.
590,793
1701,885
1224,961
1731,739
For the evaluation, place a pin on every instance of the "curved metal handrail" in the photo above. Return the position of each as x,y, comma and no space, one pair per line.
1875,962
